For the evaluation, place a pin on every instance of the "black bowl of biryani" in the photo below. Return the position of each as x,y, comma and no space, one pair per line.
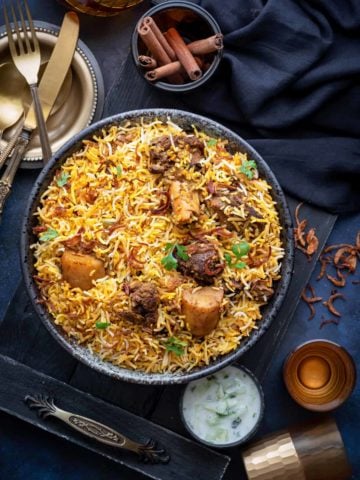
157,246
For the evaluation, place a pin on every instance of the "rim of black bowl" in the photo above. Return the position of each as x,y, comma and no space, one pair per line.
186,87
250,434
82,353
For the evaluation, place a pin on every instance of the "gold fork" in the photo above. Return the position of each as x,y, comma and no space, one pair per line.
25,52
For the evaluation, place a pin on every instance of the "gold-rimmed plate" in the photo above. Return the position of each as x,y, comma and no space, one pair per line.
84,102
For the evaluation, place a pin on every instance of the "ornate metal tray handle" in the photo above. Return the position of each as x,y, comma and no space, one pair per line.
7,177
148,453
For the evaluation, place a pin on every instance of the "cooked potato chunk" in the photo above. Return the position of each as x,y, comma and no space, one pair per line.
184,201
80,270
202,309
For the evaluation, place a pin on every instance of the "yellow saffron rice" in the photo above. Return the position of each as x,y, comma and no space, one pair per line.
106,194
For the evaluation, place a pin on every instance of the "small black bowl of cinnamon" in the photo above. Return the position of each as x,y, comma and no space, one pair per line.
177,46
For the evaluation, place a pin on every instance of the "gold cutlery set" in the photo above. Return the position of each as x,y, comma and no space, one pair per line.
26,55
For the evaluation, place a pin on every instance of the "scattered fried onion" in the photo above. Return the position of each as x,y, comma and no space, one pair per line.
346,257
77,244
221,232
259,257
115,226
73,242
211,187
324,261
132,260
308,242
338,282
329,303
300,227
164,205
310,300
329,322
329,248
217,231
312,242
39,229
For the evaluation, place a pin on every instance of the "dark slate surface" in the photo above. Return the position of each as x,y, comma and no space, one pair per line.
28,452
25,339
139,399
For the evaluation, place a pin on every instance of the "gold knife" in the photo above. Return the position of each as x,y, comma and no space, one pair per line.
49,88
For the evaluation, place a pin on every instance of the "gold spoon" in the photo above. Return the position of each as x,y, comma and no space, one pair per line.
12,87
24,97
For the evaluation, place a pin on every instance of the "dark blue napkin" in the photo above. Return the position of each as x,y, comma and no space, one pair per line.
289,82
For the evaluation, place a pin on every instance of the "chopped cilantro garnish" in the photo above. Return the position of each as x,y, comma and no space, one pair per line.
169,246
181,252
239,250
248,168
62,179
170,262
175,345
119,170
102,325
240,265
228,258
49,234
212,142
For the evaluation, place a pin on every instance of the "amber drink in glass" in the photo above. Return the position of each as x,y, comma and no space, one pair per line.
101,8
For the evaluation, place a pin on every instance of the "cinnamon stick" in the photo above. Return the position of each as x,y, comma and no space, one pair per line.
167,70
153,44
156,49
206,45
149,21
147,62
183,53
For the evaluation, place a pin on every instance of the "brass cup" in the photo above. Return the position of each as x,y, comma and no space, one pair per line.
311,452
319,375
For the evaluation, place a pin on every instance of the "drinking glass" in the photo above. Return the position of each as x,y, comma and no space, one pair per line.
101,8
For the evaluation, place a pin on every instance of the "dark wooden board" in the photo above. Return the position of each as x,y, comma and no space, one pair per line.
209,464
139,399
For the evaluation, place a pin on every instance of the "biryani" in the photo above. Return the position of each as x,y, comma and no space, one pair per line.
157,247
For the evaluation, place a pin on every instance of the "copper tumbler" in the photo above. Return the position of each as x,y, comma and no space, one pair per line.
319,375
314,451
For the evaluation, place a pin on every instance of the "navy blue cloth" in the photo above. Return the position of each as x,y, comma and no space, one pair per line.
289,82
